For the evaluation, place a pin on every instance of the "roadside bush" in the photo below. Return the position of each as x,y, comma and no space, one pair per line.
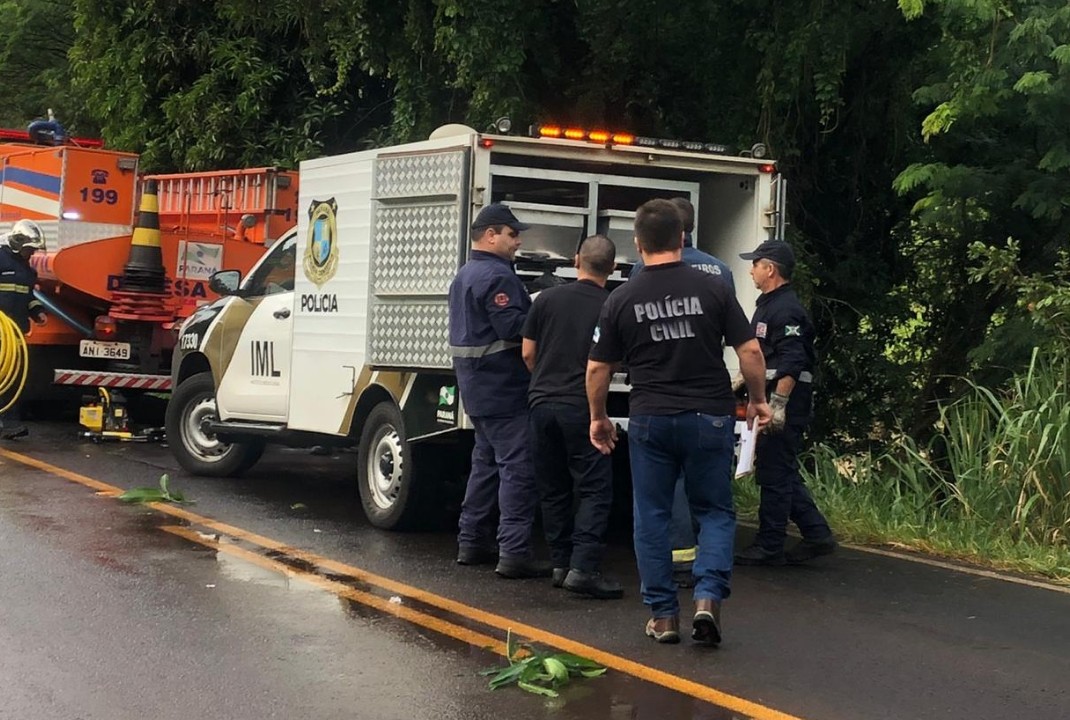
992,485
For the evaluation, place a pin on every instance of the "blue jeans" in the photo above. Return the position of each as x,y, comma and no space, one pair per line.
700,446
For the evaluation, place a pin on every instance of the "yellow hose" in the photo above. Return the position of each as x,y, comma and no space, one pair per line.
14,360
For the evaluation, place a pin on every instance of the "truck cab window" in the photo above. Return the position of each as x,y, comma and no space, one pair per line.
276,273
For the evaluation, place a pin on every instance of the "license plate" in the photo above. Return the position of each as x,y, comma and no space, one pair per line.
105,350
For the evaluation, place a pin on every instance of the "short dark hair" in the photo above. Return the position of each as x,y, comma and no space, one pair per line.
782,270
477,231
598,255
658,226
687,212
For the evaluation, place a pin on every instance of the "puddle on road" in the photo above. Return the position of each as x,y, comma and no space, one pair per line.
613,695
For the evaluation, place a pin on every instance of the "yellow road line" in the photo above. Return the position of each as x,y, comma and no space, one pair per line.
414,616
615,662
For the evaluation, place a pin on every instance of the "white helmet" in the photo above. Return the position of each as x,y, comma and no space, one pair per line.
26,234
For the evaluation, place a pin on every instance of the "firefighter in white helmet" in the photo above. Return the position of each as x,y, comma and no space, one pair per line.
17,281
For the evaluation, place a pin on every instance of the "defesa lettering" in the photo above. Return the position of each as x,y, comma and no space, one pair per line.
181,288
325,303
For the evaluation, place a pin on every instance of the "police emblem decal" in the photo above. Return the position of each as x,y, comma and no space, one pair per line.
760,330
321,250
501,299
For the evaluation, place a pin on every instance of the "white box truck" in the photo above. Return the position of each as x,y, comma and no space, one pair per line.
339,335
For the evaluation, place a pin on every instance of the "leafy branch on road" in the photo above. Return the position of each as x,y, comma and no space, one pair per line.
148,494
537,672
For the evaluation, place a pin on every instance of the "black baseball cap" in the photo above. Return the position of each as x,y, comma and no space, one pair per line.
776,250
498,214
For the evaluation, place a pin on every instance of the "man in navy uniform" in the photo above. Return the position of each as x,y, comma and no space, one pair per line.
786,335
487,308
17,281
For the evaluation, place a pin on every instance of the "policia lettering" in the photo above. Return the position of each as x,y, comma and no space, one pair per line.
668,317
321,255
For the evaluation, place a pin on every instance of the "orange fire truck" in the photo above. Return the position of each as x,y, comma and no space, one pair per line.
115,293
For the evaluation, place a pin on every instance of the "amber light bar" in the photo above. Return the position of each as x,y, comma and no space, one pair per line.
602,137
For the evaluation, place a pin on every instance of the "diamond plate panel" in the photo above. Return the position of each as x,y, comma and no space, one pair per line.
416,249
403,176
410,335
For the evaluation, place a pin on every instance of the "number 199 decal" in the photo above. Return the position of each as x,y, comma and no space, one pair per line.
99,195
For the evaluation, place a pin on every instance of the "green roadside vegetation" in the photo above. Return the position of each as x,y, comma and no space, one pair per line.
926,145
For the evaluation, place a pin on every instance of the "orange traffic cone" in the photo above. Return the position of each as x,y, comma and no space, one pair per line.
142,293
144,269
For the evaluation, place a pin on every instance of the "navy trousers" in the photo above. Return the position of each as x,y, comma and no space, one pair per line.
784,495
575,483
501,485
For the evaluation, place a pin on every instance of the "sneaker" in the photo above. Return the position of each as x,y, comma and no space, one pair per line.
592,584
810,549
475,555
523,568
706,626
16,433
757,555
664,630
559,575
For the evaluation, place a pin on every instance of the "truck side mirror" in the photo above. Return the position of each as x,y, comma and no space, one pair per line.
225,282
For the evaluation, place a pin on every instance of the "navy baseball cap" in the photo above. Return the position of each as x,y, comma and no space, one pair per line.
776,250
498,214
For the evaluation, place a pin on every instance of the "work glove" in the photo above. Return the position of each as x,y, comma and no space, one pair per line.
779,405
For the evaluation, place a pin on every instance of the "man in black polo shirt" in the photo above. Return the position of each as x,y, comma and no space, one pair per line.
667,325
557,339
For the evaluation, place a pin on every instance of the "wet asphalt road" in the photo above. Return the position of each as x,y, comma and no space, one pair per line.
108,613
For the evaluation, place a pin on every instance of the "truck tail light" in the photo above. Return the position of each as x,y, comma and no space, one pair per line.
105,327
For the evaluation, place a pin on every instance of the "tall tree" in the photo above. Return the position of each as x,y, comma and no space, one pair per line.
35,36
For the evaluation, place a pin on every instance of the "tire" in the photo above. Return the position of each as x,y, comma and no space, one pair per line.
197,450
385,474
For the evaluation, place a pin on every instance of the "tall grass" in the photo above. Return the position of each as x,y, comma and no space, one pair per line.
993,486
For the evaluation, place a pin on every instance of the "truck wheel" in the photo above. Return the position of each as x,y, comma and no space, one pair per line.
385,474
197,450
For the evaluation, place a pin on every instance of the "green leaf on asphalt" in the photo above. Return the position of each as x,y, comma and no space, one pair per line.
556,668
539,672
537,689
575,661
141,495
510,646
149,495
